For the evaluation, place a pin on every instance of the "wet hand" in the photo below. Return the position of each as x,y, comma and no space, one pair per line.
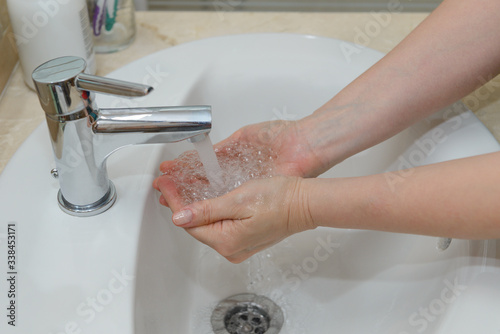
287,139
255,216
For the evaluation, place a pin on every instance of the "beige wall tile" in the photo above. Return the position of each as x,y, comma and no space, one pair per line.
8,52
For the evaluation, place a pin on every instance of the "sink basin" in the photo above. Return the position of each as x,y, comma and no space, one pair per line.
130,270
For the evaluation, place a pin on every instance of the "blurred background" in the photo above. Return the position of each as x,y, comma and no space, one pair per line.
8,54
286,5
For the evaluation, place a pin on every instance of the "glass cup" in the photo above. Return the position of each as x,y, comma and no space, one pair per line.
112,23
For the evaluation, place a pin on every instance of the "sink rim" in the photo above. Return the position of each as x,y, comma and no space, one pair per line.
127,236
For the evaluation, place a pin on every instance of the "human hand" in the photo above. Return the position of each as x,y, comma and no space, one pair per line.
254,216
287,139
257,222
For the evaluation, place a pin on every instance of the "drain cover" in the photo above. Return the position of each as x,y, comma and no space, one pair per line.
247,314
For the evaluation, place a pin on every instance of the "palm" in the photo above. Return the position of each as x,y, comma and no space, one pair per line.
294,156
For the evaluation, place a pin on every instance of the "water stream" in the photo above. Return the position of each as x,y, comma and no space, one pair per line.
208,172
214,172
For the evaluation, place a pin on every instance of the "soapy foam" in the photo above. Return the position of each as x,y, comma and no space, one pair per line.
238,163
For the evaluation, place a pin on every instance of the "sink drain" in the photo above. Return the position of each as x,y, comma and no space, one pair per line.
247,313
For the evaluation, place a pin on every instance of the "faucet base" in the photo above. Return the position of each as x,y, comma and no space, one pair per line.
91,209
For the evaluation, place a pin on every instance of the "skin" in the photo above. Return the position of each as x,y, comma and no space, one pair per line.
443,59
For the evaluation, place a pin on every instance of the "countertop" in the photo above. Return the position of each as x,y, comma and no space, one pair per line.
20,111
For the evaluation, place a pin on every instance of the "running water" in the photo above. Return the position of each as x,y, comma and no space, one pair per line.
210,163
210,173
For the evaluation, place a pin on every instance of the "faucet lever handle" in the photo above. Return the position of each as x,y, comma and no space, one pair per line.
103,85
59,83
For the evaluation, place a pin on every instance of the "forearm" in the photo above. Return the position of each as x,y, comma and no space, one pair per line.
456,199
451,53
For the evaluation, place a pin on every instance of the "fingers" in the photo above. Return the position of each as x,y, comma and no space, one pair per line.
233,239
206,212
219,237
170,196
164,167
163,201
155,184
167,165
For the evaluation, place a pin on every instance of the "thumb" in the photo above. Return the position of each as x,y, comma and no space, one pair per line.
205,212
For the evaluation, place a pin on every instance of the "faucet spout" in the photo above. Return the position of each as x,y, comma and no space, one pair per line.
84,136
174,123
120,127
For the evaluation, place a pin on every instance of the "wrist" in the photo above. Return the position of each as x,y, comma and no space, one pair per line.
330,134
299,213
351,202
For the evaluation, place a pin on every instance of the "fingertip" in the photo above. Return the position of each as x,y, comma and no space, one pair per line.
164,182
170,193
183,218
193,215
166,165
163,201
155,184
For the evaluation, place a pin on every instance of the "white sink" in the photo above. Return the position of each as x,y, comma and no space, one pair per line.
130,270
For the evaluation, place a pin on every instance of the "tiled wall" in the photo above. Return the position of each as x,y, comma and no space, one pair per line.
8,53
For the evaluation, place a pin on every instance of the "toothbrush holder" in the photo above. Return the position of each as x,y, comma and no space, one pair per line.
112,23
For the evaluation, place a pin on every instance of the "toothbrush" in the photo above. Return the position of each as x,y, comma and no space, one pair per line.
98,19
111,8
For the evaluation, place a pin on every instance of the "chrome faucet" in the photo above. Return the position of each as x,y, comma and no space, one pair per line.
83,136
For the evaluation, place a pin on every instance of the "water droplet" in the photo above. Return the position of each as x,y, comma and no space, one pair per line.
238,163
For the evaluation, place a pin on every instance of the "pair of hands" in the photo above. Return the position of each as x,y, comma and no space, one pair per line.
261,212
